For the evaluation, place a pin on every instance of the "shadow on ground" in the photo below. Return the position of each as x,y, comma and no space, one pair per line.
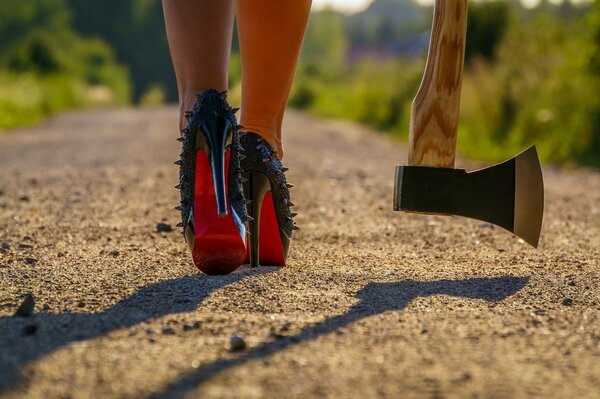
375,298
185,294
179,295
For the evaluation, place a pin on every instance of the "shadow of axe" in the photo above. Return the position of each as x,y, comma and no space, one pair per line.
509,194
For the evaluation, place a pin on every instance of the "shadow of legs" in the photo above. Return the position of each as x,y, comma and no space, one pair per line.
57,330
375,298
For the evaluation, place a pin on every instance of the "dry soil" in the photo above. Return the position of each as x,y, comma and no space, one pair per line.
373,303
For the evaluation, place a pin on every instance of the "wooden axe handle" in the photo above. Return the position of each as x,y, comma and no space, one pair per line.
434,113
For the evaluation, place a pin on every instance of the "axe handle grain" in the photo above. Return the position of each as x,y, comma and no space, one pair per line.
434,113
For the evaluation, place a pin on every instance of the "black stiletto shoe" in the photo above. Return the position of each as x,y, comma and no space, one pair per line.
213,210
267,192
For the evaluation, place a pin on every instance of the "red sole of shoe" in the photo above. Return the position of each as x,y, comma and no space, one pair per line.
270,247
218,247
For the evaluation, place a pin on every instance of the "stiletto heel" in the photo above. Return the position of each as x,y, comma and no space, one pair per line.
258,186
265,185
212,201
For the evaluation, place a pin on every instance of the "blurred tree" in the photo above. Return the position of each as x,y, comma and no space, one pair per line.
487,23
135,29
46,67
325,43
38,38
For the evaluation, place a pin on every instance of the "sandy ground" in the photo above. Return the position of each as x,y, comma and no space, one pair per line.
373,303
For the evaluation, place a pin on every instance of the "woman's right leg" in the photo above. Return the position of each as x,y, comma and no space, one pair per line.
199,34
213,211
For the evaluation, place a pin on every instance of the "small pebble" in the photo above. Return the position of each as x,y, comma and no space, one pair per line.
163,228
81,304
30,329
46,307
30,261
27,307
22,245
114,253
24,198
567,302
5,245
168,331
236,343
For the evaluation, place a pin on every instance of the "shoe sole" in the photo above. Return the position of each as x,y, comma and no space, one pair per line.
218,247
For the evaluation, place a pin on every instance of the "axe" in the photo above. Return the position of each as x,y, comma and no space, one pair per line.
509,194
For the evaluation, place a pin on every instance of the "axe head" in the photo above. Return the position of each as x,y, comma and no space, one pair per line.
509,195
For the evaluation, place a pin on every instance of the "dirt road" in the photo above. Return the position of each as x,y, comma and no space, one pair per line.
373,303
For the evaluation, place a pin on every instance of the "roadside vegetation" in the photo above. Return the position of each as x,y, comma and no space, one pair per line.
531,76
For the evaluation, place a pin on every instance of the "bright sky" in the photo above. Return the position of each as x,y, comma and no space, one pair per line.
358,5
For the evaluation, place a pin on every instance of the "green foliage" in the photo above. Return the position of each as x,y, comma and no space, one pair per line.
487,23
135,30
45,67
542,93
532,77
377,94
325,44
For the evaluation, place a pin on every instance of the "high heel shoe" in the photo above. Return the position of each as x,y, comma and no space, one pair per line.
267,192
213,211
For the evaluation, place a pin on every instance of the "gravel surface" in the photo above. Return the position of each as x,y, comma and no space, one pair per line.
373,303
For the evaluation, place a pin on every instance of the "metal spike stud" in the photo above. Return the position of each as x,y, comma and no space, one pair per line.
235,110
178,187
179,224
178,162
180,139
294,214
188,114
288,185
285,169
178,208
185,130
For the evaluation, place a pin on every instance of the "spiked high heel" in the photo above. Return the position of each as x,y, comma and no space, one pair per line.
213,211
267,192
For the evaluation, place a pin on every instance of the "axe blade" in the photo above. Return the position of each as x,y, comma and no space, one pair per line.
509,194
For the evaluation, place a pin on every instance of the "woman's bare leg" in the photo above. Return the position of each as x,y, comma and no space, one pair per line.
271,33
199,34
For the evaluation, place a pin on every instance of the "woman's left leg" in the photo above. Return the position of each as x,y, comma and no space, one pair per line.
271,33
